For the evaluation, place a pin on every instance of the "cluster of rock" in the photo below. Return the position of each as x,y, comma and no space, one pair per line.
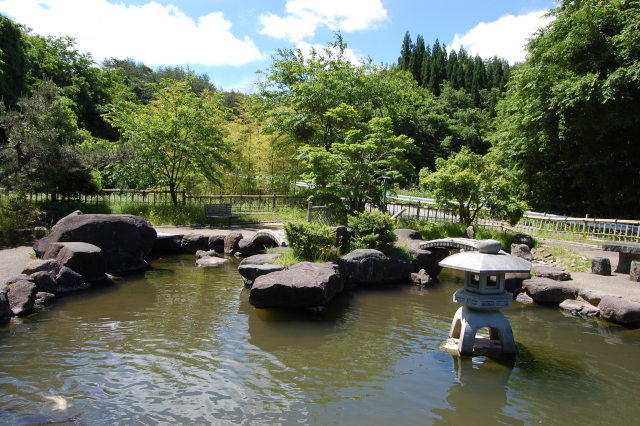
82,251
208,247
554,286
309,284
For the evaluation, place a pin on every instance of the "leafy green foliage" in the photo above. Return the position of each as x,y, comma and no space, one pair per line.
41,153
568,124
18,213
178,134
373,230
467,183
349,173
310,241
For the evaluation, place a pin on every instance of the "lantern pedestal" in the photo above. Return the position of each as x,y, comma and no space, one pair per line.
467,322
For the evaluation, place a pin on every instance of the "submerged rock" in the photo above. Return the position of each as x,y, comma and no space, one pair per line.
369,266
579,308
421,278
303,285
5,308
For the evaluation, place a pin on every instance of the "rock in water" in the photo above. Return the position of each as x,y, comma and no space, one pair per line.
231,242
303,285
621,311
125,240
579,308
548,291
22,296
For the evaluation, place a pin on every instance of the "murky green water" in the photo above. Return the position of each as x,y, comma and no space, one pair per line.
182,345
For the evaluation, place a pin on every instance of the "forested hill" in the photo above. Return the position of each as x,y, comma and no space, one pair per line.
431,66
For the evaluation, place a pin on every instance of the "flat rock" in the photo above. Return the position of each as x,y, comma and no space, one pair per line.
619,310
210,261
551,272
206,253
41,265
247,247
191,243
579,308
592,296
250,272
84,258
260,259
231,241
548,291
125,240
303,285
22,296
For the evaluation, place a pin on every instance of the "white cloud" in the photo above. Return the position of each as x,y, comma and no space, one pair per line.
306,49
152,33
504,38
303,17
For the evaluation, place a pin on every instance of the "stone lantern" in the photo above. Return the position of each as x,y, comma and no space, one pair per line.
483,295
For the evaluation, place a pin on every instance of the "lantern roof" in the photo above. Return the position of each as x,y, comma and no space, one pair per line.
488,259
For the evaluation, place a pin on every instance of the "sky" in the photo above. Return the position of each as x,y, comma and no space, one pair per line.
230,40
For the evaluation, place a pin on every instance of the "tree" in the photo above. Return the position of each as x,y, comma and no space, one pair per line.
178,134
568,123
41,152
470,183
349,174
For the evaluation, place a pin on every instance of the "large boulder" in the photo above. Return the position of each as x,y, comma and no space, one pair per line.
5,308
68,281
125,240
619,310
84,258
369,266
425,259
522,251
191,243
407,234
548,291
216,242
22,296
231,242
551,272
303,285
247,247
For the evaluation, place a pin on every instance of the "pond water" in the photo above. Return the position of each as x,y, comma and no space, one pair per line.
182,345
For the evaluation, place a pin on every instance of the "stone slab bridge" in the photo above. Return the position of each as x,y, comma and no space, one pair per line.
466,244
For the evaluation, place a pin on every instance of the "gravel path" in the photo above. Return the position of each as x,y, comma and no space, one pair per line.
13,261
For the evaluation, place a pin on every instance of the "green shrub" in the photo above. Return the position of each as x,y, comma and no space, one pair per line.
372,230
18,213
310,241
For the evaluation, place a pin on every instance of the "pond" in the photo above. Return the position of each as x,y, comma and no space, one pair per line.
182,345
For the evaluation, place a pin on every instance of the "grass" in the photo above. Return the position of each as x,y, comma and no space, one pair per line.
286,259
563,257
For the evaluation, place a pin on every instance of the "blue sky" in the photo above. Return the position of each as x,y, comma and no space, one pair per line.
231,39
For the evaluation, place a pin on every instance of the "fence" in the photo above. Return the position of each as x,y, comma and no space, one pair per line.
584,228
240,203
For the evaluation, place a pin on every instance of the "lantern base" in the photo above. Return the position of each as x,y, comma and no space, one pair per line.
467,322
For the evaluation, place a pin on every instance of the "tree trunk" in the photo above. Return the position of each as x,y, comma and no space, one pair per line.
174,194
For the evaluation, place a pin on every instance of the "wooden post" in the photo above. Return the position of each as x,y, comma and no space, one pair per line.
309,211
